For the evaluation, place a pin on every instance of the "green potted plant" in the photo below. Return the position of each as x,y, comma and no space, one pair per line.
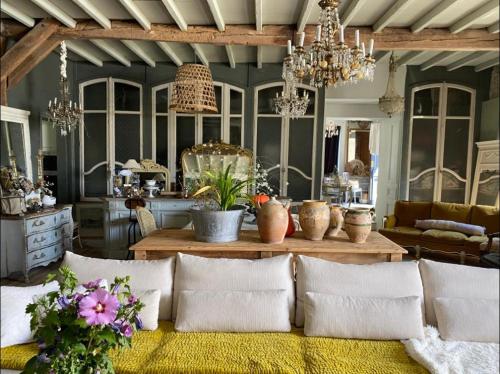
217,217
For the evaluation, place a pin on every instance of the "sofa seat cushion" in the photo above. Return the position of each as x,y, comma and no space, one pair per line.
165,351
474,244
449,237
402,234
487,216
404,230
451,212
407,212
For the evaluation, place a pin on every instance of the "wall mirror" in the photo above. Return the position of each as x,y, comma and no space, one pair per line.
15,146
358,148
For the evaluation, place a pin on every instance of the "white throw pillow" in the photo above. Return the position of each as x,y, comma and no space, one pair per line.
15,323
221,274
144,275
385,279
472,320
233,311
456,281
377,318
149,314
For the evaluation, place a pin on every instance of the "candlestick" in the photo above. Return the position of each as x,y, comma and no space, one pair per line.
363,49
372,42
357,38
289,46
302,36
318,33
341,34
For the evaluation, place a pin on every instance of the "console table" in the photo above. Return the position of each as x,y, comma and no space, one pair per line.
35,239
165,243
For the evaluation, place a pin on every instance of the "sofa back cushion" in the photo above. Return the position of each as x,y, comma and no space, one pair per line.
144,275
487,216
376,318
456,281
451,212
407,212
233,311
193,273
385,279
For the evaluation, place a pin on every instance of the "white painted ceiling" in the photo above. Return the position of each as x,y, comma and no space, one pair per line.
197,12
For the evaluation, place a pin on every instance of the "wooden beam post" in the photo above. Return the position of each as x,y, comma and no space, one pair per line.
31,61
26,46
277,35
3,92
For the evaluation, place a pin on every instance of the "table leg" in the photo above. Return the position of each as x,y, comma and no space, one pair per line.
395,257
140,255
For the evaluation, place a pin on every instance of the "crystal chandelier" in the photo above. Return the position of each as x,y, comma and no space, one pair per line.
290,103
63,113
330,62
391,102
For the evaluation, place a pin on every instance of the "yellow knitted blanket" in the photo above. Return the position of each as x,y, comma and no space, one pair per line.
166,351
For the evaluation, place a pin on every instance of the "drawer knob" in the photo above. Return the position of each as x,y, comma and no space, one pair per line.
42,255
38,222
41,240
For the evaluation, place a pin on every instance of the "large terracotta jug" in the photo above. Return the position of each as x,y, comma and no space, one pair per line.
358,224
272,221
336,220
314,218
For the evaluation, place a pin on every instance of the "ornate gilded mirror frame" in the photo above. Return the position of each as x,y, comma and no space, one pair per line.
150,167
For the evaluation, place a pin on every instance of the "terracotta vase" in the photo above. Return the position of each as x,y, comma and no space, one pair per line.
358,224
336,220
272,221
314,218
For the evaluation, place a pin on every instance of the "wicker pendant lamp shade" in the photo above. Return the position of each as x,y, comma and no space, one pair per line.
193,90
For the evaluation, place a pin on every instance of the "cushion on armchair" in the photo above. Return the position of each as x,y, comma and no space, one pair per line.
450,237
487,216
451,212
409,211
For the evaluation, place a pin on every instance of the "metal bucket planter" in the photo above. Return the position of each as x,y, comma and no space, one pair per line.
214,226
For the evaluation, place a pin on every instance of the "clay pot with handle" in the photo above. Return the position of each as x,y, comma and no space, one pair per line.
336,220
272,221
314,218
358,224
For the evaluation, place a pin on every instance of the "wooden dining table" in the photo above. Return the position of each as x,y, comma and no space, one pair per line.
167,242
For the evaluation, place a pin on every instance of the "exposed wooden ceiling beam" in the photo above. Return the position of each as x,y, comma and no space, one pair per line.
31,61
94,12
137,13
56,12
32,41
491,7
216,14
436,60
277,35
486,65
176,14
350,12
15,13
140,52
407,58
305,13
110,49
390,14
258,15
494,28
230,56
201,55
427,19
379,56
464,61
87,55
259,57
170,53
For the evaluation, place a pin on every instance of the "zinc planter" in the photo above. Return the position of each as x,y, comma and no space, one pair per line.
217,226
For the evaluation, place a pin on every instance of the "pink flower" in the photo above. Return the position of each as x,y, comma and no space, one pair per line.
99,307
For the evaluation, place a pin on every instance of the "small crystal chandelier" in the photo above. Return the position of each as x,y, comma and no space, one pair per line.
391,102
64,114
332,63
290,103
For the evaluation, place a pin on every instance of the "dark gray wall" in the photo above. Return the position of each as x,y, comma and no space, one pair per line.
464,76
34,92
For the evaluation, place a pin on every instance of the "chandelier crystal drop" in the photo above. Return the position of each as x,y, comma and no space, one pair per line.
391,102
64,114
290,103
330,62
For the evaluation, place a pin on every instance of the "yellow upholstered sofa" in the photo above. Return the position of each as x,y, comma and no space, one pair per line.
400,227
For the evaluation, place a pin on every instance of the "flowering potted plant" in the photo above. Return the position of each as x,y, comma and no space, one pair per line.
76,327
217,217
